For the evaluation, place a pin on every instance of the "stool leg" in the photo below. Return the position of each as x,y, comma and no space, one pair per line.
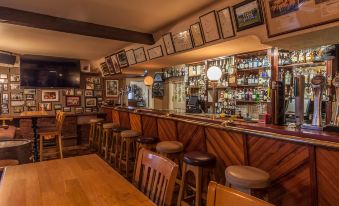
41,148
198,185
128,150
121,152
60,146
182,184
106,143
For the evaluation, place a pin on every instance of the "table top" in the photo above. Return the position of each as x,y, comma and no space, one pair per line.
34,113
83,180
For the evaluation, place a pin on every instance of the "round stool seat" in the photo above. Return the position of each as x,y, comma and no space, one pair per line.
247,177
201,159
147,140
129,134
9,162
108,125
119,129
169,147
96,120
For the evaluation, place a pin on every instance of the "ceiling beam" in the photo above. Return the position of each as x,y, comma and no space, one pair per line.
42,21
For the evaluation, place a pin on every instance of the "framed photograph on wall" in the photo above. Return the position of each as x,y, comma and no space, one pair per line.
130,57
72,101
18,109
79,110
57,106
140,55
68,92
182,41
155,52
17,103
29,91
90,102
248,14
283,17
122,59
88,93
110,65
45,106
210,27
226,23
15,78
67,109
112,88
50,95
30,103
168,42
116,66
197,36
104,69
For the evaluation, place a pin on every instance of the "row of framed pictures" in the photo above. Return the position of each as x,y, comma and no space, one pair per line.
48,107
114,63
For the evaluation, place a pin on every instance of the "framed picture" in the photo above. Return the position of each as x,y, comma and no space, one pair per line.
155,52
140,55
210,27
112,88
197,37
15,86
15,78
18,109
122,59
30,91
78,92
3,76
73,101
104,69
116,66
67,109
97,86
45,106
88,109
3,87
4,106
4,81
130,57
110,65
30,96
248,14
68,92
85,68
97,93
50,95
168,42
182,41
90,86
79,110
90,102
31,109
226,23
57,106
88,93
5,98
17,103
17,96
283,16
5,111
30,103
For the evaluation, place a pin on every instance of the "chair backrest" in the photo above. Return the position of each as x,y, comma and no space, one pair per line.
221,195
155,177
60,117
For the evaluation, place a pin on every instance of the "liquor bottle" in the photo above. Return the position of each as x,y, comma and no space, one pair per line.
288,78
301,57
250,64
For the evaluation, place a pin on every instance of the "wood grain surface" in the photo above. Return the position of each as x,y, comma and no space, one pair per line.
167,130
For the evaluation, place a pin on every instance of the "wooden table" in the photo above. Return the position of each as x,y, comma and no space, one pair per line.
34,115
83,180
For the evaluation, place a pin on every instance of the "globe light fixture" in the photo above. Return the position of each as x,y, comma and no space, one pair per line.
214,73
148,81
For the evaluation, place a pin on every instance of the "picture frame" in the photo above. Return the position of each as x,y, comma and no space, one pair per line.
88,93
4,111
110,65
248,14
17,109
16,103
72,101
30,91
69,92
104,69
226,23
282,18
67,109
79,110
140,55
3,87
31,109
90,102
209,27
155,52
17,96
15,86
182,41
85,68
30,103
116,66
112,88
122,59
78,92
3,76
88,109
5,98
30,96
4,81
97,93
168,42
130,57
89,86
57,106
197,36
50,95
45,106
15,78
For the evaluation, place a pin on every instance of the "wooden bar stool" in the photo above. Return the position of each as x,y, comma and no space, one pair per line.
114,153
196,162
92,131
247,179
106,138
145,142
127,150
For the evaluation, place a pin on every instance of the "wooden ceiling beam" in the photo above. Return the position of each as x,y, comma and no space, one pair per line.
42,21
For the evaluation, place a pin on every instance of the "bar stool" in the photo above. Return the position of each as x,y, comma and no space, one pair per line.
148,143
106,138
196,162
114,153
127,149
247,179
92,131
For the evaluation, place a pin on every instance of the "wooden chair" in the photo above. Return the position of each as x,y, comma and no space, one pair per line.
221,195
53,133
155,177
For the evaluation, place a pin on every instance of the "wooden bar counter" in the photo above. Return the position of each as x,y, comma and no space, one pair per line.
303,164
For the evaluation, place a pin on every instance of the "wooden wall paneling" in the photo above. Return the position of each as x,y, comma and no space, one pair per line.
108,114
289,167
327,161
149,126
124,120
167,130
26,131
192,136
116,117
227,147
135,121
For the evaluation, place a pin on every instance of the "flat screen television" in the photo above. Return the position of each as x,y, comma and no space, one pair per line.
49,72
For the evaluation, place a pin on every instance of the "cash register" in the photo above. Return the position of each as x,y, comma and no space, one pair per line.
193,105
